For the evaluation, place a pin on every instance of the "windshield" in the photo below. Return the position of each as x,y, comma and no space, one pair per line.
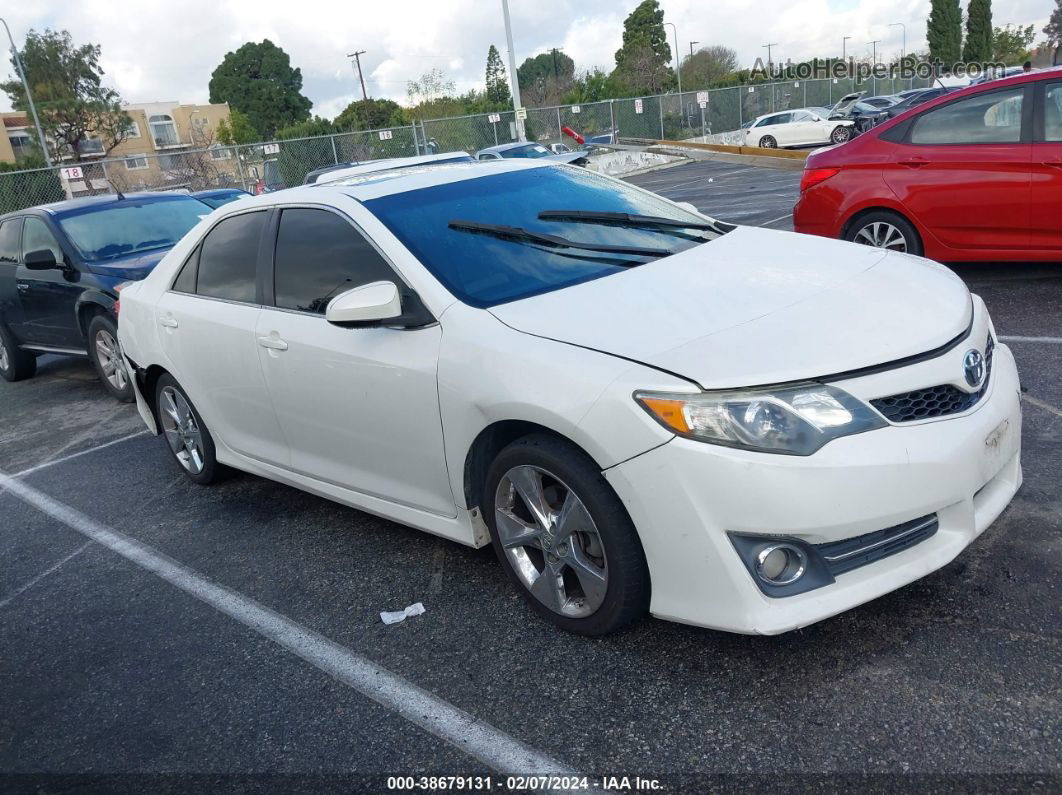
531,150
483,270
108,231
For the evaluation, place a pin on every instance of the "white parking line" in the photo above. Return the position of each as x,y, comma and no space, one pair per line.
1046,340
1042,404
51,570
480,740
776,220
78,454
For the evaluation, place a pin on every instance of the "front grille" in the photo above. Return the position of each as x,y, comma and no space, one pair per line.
851,553
934,401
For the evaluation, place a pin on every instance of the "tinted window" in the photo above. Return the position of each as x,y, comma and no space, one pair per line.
185,281
319,256
982,119
109,230
9,235
484,270
228,258
36,236
801,116
1053,112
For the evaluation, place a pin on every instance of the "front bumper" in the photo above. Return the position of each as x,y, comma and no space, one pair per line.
685,497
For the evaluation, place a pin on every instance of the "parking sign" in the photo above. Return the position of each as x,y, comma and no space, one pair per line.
385,135
72,173
637,106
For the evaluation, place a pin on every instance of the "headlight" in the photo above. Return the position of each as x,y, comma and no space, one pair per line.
795,420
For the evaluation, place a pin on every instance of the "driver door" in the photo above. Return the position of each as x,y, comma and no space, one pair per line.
48,298
359,406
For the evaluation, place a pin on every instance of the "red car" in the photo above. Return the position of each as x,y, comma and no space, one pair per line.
973,175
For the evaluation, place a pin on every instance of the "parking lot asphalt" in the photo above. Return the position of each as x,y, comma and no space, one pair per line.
112,666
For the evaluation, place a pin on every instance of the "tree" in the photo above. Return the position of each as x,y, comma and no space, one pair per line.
545,78
1010,44
237,130
432,86
306,129
707,66
72,102
370,114
259,81
944,32
642,61
497,85
1053,28
979,40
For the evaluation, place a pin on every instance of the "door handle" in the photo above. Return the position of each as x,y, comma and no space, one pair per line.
168,322
914,162
23,287
1053,163
273,343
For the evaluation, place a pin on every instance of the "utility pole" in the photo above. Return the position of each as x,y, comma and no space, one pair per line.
512,70
844,51
768,46
691,47
357,59
29,96
903,50
874,44
556,75
675,56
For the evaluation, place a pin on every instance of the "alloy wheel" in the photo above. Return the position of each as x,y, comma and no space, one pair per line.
5,362
841,135
181,429
882,235
768,142
109,355
551,541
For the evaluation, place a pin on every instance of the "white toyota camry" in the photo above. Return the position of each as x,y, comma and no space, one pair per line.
642,408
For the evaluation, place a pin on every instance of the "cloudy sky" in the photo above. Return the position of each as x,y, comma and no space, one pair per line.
166,50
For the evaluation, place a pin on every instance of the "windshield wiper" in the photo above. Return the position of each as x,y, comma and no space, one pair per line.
626,219
517,233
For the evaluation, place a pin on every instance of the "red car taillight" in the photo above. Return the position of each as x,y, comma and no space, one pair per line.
813,176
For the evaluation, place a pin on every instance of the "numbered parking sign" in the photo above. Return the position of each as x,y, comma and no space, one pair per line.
637,106
576,109
72,173
385,135
271,149
702,98
494,118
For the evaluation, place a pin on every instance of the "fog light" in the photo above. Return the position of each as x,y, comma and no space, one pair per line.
781,564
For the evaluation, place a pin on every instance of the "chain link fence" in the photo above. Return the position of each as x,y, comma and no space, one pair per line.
273,165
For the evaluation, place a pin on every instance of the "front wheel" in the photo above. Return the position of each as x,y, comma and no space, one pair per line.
106,355
841,134
564,538
768,142
884,229
185,432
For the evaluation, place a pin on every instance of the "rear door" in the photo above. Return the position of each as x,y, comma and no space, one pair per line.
963,171
48,298
359,405
206,326
1045,221
804,129
10,246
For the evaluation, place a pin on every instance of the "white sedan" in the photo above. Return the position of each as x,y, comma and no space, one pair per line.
804,127
641,408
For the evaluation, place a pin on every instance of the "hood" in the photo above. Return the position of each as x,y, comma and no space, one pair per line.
757,306
131,268
568,157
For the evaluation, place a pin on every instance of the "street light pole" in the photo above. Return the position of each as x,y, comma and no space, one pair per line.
678,69
874,58
844,52
903,49
357,59
691,47
512,70
29,96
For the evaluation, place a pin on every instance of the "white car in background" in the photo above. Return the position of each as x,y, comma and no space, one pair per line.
803,127
642,409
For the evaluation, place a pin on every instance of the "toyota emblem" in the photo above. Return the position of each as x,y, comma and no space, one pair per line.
973,368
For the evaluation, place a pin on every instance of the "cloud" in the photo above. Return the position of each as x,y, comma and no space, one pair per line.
162,50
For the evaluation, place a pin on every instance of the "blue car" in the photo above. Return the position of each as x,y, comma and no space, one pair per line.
61,267
219,196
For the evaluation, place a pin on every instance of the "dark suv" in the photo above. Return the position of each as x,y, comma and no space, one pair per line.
61,266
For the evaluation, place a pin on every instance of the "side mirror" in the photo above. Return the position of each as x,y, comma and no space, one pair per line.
41,260
370,304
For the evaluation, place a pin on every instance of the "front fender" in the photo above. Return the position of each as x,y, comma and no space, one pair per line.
93,299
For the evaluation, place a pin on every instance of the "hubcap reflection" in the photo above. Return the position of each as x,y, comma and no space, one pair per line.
110,358
882,235
182,431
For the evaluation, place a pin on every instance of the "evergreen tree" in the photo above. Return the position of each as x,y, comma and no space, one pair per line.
497,85
944,31
979,39
642,61
1053,28
259,81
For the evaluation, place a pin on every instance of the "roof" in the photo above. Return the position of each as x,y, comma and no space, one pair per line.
507,147
375,166
59,208
16,121
217,192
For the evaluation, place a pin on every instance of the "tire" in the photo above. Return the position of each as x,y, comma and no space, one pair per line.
106,356
885,229
592,567
768,142
15,363
841,134
186,434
